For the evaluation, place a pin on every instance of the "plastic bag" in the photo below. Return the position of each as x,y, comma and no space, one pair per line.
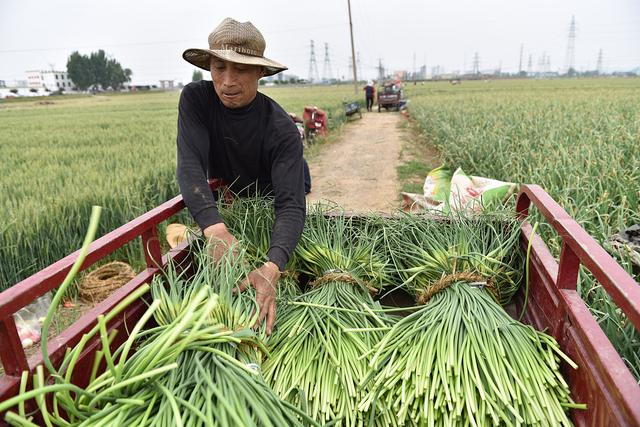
445,191
472,193
30,318
437,185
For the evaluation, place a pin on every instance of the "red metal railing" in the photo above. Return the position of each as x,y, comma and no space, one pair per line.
602,380
12,355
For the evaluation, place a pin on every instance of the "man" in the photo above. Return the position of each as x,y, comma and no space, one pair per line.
370,92
228,130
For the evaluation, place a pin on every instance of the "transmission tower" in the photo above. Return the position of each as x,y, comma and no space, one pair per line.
547,64
350,78
599,63
413,72
358,66
313,66
520,66
380,71
476,63
530,65
326,69
571,47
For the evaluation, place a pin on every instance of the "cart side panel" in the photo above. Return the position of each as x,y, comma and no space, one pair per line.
123,323
602,380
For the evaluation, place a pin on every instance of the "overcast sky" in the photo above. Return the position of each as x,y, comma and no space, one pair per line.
149,36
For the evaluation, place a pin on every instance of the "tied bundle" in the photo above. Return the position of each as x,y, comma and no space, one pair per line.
321,346
219,383
460,359
195,366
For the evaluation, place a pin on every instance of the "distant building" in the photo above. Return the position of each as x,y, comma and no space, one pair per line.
49,80
134,87
166,84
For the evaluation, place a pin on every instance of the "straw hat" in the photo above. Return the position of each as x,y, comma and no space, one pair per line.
234,41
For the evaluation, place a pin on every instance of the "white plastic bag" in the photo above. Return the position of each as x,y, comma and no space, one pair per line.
30,318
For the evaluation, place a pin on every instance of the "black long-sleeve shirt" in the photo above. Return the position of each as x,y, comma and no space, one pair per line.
255,148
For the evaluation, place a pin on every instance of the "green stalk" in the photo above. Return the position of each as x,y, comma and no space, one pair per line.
91,232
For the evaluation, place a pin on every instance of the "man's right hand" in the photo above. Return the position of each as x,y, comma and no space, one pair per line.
220,240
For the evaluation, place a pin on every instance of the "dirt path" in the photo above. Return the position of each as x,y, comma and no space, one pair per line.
358,170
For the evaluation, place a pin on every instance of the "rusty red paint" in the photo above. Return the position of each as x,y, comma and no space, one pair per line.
617,282
26,291
603,381
13,357
569,268
151,247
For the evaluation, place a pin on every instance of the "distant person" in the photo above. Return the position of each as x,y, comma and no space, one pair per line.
369,93
229,130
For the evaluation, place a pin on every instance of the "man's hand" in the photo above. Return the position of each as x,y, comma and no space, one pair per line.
265,282
220,241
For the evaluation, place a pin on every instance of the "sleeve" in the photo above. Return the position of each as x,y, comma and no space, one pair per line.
287,178
193,154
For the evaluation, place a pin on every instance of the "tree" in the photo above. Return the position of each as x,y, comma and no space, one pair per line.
80,71
96,69
197,76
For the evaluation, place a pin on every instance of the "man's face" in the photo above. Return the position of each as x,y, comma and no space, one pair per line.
235,84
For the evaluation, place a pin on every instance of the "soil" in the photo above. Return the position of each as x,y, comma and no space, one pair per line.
357,170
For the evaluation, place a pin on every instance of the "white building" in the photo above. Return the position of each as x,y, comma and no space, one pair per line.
51,80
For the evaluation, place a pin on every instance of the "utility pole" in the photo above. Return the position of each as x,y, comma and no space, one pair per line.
353,52
313,66
571,47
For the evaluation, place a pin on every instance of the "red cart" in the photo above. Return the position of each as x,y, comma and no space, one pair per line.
602,381
315,123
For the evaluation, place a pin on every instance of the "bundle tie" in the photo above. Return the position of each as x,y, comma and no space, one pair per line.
337,275
473,279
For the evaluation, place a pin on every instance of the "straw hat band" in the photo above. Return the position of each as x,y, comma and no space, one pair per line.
238,49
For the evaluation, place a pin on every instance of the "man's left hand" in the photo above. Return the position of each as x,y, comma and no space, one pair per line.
265,281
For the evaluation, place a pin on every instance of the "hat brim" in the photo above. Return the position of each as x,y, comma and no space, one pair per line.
201,58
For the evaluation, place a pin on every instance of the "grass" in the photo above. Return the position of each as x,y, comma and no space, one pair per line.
117,151
417,158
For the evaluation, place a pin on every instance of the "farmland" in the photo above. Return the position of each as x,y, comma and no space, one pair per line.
578,139
62,155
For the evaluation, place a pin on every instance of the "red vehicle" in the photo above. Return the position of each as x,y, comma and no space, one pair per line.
315,123
390,96
602,381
